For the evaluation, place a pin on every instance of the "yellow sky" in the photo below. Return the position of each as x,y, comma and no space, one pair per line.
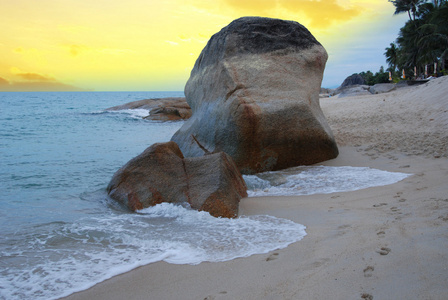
152,45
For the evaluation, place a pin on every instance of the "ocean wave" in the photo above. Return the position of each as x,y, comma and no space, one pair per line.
133,113
70,257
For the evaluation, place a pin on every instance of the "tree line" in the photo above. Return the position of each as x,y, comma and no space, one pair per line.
421,48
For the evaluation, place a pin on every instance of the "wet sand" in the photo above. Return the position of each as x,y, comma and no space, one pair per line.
388,242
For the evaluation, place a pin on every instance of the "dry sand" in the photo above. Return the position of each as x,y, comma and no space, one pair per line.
388,242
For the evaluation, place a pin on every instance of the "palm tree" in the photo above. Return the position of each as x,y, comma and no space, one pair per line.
392,56
424,38
407,42
434,34
402,6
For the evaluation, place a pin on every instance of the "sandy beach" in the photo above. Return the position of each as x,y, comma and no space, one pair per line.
387,242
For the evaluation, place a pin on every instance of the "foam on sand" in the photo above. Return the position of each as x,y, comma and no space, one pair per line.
306,180
76,256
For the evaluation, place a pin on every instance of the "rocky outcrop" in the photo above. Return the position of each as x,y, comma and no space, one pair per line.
162,109
356,90
362,90
254,93
354,79
210,183
351,86
380,88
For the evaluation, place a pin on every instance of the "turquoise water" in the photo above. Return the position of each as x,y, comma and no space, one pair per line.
61,234
55,146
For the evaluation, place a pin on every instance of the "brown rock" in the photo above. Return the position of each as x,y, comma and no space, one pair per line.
169,113
162,109
254,93
143,182
215,184
210,183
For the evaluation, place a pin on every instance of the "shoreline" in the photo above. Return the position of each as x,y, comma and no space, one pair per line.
386,242
341,255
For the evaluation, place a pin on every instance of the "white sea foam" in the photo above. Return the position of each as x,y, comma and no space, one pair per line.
318,180
75,256
134,113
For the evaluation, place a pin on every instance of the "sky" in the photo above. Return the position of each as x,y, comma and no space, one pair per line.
148,45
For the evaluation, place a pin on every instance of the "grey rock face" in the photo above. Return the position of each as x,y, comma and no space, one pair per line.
355,90
354,79
380,88
254,93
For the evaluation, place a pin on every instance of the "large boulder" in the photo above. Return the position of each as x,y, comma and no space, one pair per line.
254,93
210,183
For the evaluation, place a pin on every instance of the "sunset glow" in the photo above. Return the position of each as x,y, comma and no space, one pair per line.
107,45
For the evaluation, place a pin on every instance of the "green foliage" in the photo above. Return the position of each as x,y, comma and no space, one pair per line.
423,40
379,77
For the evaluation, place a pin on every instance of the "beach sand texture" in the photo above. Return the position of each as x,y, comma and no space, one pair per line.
388,242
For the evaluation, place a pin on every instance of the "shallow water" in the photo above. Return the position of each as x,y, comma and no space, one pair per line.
61,234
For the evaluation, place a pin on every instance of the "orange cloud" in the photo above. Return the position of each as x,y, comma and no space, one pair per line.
30,76
34,77
259,5
75,50
322,14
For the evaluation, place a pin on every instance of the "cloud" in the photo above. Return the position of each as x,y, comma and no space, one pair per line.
115,51
260,5
322,14
34,77
30,76
172,43
74,29
75,50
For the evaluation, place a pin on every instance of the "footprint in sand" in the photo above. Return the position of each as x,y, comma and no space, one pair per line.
368,271
384,251
381,233
272,256
394,209
398,195
212,297
367,296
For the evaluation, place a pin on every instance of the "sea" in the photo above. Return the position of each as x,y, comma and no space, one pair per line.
60,233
